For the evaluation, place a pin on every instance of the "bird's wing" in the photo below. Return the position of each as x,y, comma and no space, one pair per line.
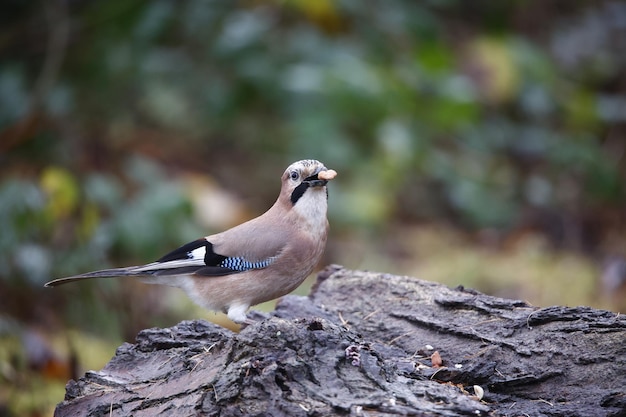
197,257
255,244
200,258
233,254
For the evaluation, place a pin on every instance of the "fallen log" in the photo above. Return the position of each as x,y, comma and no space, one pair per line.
365,343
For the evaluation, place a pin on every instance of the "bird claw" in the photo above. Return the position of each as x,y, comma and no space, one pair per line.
247,322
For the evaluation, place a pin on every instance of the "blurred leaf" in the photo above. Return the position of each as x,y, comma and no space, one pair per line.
62,191
34,262
320,11
13,95
493,69
89,222
435,57
581,110
103,190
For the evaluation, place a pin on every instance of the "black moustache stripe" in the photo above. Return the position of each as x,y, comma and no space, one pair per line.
298,192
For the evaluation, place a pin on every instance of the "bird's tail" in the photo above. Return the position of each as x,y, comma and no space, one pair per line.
104,273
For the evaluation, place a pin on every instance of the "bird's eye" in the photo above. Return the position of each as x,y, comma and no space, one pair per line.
294,175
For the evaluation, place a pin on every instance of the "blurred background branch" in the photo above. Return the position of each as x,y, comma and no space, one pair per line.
478,143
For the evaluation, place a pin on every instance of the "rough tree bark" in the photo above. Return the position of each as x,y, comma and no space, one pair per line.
362,344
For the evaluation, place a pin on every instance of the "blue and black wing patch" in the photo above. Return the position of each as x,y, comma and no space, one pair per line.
203,261
240,264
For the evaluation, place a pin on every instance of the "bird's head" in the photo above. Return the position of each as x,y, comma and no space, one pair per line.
305,177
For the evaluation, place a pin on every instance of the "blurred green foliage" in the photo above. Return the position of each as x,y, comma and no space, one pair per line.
497,118
431,111
482,114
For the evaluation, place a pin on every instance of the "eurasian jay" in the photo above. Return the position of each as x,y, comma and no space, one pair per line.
257,261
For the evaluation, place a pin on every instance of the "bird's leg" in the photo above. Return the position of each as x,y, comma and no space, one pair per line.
237,313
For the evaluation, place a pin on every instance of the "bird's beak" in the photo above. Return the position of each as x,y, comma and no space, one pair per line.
320,178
